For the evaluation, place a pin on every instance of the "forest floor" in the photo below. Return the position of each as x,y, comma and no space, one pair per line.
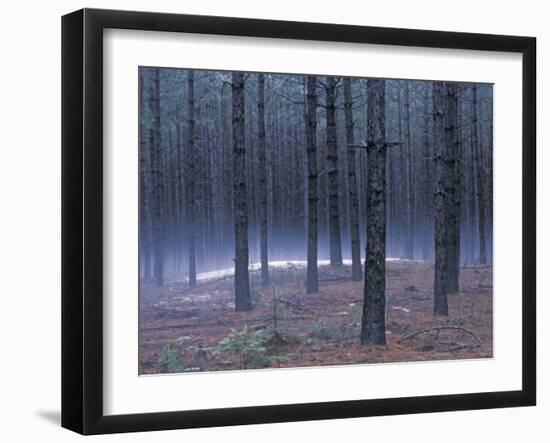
181,329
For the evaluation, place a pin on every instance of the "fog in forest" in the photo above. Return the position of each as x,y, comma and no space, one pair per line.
303,220
410,217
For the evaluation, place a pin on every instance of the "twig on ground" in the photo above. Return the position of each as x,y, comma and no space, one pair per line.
441,328
287,301
332,279
209,282
223,322
458,348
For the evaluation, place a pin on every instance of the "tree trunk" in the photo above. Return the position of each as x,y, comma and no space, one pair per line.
356,273
373,327
453,192
312,280
440,199
401,213
332,166
243,300
472,228
144,160
480,182
427,241
262,173
409,235
158,180
190,188
227,160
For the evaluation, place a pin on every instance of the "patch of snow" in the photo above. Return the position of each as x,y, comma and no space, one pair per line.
281,264
401,308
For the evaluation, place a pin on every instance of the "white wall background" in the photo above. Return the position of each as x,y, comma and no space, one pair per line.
30,220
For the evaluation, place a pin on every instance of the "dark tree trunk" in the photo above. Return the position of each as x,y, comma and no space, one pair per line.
227,160
179,197
312,280
480,181
440,199
243,300
356,273
471,191
332,166
144,159
427,218
401,212
373,327
409,235
158,180
262,173
190,188
453,191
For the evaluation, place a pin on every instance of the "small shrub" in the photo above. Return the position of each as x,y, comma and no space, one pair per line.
276,335
171,358
249,346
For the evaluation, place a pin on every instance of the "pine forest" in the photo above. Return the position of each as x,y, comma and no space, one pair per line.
308,220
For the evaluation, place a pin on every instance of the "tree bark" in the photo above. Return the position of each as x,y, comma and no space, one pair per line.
262,173
409,235
243,300
373,327
440,199
144,204
190,188
312,279
158,180
480,182
332,166
452,165
356,272
228,234
427,217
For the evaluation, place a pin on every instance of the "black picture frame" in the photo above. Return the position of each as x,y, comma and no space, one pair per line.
82,216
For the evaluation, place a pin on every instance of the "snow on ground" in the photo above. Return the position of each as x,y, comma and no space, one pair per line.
272,264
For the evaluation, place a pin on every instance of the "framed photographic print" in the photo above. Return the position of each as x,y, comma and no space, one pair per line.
270,221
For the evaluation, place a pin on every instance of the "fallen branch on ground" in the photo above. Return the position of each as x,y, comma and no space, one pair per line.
199,286
331,279
296,304
223,322
459,347
441,328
